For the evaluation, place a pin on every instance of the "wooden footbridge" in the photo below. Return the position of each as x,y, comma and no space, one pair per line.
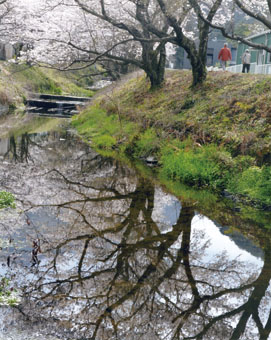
55,105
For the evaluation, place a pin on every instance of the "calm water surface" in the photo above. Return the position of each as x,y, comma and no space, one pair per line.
98,252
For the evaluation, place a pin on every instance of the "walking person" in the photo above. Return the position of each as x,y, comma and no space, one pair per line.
246,61
224,56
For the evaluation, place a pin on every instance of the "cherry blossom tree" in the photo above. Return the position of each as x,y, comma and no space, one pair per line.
90,32
5,9
125,35
64,33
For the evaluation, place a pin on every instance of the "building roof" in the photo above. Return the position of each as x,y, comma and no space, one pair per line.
258,34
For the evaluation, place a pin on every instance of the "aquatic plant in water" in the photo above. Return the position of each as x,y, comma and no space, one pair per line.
8,295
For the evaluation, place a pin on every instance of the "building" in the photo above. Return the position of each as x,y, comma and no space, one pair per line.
260,59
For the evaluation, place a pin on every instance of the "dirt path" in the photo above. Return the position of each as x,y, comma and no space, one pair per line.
110,88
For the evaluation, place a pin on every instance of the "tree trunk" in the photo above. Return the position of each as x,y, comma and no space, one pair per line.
154,62
199,72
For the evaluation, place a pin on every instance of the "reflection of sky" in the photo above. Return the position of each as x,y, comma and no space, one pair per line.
166,209
219,243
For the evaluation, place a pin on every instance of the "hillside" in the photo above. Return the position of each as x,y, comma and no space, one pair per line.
216,136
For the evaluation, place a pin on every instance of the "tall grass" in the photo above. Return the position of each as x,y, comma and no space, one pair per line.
192,165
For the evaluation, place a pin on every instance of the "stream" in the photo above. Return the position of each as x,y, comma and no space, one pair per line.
95,250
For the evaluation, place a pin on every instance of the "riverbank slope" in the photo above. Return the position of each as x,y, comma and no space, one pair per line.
216,136
18,81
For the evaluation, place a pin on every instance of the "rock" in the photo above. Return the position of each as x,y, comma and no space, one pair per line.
151,160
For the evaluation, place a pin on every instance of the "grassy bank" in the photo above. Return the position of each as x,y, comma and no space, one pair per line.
216,136
18,80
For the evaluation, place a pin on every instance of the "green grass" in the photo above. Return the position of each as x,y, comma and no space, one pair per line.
148,143
34,79
69,84
105,131
17,80
255,183
43,80
192,166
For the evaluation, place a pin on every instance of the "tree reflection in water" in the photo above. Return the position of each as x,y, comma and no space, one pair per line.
119,275
18,149
110,270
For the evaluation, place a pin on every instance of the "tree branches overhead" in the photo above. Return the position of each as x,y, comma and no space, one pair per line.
127,32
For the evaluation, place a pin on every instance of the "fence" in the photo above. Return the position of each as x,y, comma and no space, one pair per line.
254,68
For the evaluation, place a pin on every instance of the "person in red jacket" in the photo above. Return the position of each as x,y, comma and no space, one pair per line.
224,56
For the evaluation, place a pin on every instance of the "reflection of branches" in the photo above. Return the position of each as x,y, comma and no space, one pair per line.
121,272
246,310
21,155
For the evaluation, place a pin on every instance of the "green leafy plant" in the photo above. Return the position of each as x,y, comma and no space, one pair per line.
212,136
6,200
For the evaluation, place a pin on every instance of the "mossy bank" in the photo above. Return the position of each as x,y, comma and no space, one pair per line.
216,136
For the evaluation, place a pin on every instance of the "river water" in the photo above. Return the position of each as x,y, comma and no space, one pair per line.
96,251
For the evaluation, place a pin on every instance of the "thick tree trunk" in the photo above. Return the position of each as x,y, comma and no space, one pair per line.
154,62
157,74
199,72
